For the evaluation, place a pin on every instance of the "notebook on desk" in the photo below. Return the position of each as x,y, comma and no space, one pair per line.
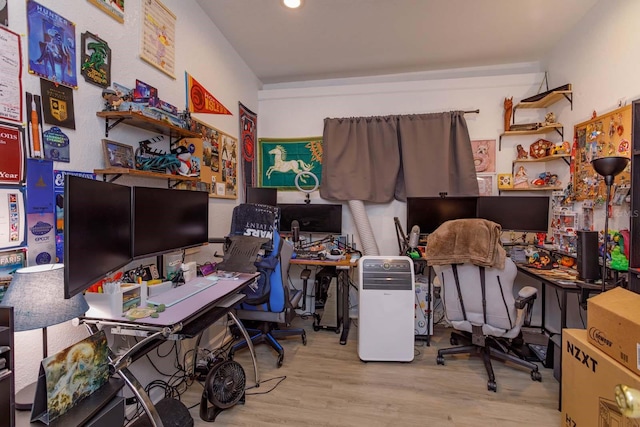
180,293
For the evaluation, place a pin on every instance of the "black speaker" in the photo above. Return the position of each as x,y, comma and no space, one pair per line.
588,265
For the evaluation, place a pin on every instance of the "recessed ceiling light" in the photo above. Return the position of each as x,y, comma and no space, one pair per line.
292,4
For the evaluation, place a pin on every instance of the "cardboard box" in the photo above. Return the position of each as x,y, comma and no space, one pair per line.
589,377
613,322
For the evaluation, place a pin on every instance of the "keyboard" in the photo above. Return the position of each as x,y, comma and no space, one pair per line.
181,293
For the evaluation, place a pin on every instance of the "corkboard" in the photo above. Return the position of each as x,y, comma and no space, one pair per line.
603,136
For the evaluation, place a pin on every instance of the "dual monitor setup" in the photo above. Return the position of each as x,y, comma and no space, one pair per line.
107,225
517,213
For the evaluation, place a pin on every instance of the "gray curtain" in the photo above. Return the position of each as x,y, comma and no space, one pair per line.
377,159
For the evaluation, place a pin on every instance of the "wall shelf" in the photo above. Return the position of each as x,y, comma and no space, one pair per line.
548,98
139,120
532,189
564,157
116,173
542,129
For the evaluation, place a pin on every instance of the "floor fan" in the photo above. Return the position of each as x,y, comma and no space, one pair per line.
223,388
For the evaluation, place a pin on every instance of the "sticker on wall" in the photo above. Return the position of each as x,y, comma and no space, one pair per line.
57,104
56,145
96,60
52,50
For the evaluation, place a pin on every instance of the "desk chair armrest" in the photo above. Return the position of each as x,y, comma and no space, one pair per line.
526,296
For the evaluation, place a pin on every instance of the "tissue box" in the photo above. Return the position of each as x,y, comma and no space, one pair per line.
114,305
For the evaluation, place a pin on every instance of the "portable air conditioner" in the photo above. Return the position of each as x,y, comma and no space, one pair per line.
386,309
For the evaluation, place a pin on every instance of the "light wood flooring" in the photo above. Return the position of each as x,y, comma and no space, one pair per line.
327,385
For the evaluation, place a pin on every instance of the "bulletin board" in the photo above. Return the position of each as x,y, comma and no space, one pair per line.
602,136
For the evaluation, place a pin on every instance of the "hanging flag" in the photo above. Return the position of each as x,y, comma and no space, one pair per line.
199,100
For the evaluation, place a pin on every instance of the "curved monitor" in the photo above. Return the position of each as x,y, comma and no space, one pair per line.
97,231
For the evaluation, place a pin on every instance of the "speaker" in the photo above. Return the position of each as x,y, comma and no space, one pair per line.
588,264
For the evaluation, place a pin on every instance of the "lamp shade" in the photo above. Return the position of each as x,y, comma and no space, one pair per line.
37,297
609,166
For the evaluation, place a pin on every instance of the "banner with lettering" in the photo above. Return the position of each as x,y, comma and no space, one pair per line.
200,100
12,158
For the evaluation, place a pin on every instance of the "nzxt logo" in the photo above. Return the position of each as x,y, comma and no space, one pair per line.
581,356
5,135
598,336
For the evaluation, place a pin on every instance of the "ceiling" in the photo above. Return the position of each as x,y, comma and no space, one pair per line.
327,39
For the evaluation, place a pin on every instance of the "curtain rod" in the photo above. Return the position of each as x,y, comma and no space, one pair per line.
472,111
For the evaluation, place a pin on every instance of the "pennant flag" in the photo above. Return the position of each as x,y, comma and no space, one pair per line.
199,100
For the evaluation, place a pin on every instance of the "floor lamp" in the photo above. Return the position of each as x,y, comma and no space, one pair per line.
608,168
37,297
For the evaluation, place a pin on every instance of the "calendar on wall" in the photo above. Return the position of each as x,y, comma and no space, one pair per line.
602,136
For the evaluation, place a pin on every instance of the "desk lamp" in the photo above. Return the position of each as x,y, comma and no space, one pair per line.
37,297
608,168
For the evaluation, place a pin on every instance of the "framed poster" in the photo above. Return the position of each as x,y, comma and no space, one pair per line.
484,155
485,184
602,136
52,45
12,154
117,155
96,60
281,160
113,8
158,36
10,75
13,218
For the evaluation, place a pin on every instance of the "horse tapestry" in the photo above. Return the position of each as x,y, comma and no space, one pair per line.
281,160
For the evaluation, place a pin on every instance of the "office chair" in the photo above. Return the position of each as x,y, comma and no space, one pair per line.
278,308
479,303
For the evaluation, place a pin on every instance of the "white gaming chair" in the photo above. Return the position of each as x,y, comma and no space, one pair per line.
479,302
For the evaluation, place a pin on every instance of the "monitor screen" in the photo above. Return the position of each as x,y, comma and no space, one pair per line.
321,218
262,196
97,231
429,212
167,219
518,213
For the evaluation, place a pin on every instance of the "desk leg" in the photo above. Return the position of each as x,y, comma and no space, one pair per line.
142,396
343,278
543,309
247,338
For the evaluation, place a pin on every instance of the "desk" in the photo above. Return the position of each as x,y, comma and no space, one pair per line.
186,319
343,268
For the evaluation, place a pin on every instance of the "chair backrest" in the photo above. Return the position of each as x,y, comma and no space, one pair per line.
467,302
250,219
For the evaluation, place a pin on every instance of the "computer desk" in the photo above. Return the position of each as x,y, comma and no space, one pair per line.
186,319
343,269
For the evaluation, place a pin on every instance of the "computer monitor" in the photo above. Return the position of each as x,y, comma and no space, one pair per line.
517,213
97,231
429,212
313,218
167,219
262,196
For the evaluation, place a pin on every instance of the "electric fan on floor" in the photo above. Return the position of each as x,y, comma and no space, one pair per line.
223,388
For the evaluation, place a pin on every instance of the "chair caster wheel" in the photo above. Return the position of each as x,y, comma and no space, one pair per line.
440,360
337,331
316,327
304,338
280,360
492,386
536,376
453,341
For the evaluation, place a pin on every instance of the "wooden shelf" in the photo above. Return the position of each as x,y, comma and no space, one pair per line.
549,99
542,129
141,121
531,189
542,159
118,172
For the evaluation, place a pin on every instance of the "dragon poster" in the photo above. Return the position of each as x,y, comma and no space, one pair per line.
96,60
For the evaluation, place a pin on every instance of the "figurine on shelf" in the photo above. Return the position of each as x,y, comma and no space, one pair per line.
508,112
549,118
522,153
520,180
111,99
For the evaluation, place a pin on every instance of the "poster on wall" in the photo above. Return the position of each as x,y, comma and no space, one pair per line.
113,8
248,137
281,160
12,154
57,103
10,261
158,36
40,212
96,60
12,217
484,155
10,75
58,194
52,45
200,100
219,160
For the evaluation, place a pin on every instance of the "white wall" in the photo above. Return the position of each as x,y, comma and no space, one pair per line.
200,49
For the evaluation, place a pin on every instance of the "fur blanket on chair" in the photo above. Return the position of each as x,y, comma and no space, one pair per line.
460,241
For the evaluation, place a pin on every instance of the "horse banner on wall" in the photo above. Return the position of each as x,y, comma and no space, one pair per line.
281,160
